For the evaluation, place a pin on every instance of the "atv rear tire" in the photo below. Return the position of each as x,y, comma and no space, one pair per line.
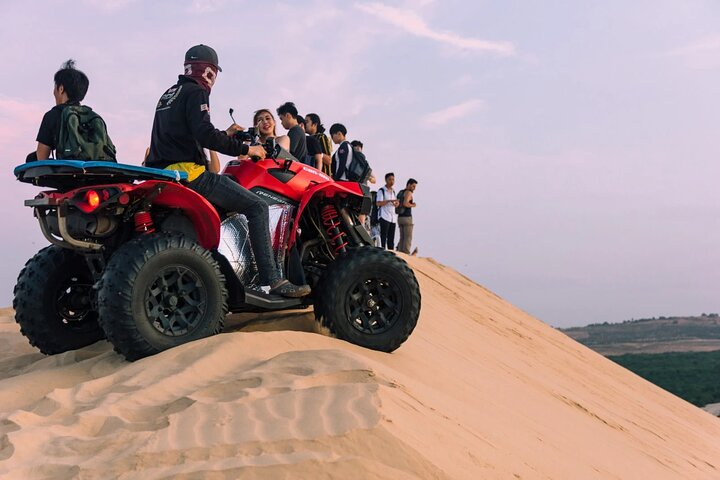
160,291
52,302
369,297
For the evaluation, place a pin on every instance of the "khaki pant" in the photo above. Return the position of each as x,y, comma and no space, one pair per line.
406,229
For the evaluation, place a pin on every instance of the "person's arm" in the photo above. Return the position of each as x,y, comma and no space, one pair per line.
214,166
43,151
408,200
202,129
379,202
326,159
318,160
384,202
47,134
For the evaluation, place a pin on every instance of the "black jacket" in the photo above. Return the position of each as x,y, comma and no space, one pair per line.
182,128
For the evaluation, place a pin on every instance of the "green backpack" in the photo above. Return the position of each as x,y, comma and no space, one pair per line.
83,136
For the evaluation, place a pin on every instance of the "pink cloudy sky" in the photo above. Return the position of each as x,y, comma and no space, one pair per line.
566,152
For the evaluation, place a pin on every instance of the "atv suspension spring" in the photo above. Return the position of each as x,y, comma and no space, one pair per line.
143,222
329,217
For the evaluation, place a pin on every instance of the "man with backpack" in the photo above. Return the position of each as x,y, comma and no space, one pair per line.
344,153
357,146
72,130
348,164
404,215
386,202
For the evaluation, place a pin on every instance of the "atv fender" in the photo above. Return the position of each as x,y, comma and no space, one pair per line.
329,190
201,213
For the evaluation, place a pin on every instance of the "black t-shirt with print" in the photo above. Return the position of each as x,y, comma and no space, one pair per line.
182,128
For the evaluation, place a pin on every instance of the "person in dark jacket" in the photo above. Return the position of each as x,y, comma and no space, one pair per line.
182,129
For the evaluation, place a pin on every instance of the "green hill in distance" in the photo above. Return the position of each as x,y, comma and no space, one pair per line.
679,354
692,376
651,335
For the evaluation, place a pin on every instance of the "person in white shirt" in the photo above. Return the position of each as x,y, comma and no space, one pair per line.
387,201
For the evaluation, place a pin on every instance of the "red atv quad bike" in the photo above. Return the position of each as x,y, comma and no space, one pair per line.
140,259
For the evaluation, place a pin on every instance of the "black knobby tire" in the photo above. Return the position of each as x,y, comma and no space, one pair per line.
369,297
159,291
52,302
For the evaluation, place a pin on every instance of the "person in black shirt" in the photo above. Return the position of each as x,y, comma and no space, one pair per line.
71,85
182,129
315,129
314,150
405,219
287,113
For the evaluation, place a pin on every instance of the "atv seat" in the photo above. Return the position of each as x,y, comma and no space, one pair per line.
69,174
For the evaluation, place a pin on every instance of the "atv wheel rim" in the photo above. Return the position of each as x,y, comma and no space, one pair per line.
73,302
374,305
176,300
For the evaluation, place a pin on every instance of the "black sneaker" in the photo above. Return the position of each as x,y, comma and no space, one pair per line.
286,289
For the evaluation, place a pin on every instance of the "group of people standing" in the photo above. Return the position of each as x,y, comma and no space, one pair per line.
395,209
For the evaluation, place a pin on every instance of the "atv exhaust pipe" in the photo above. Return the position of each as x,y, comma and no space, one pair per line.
67,240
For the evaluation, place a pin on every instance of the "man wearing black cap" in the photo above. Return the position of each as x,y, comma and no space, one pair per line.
180,133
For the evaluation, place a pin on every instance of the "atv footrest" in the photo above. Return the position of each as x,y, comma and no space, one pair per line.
270,302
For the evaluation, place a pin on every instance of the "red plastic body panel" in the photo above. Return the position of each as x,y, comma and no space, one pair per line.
200,212
306,184
251,174
329,189
173,195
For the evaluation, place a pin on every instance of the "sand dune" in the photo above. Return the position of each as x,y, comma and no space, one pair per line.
481,390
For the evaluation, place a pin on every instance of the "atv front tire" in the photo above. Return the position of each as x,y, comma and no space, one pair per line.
369,297
52,302
159,291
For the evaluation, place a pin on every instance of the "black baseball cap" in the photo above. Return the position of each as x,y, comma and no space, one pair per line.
203,53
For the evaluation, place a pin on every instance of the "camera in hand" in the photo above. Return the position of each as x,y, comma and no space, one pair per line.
248,135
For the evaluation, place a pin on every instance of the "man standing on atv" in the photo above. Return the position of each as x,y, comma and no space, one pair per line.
182,128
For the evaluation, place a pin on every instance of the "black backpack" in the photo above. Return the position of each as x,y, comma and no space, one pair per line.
400,209
83,136
359,169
